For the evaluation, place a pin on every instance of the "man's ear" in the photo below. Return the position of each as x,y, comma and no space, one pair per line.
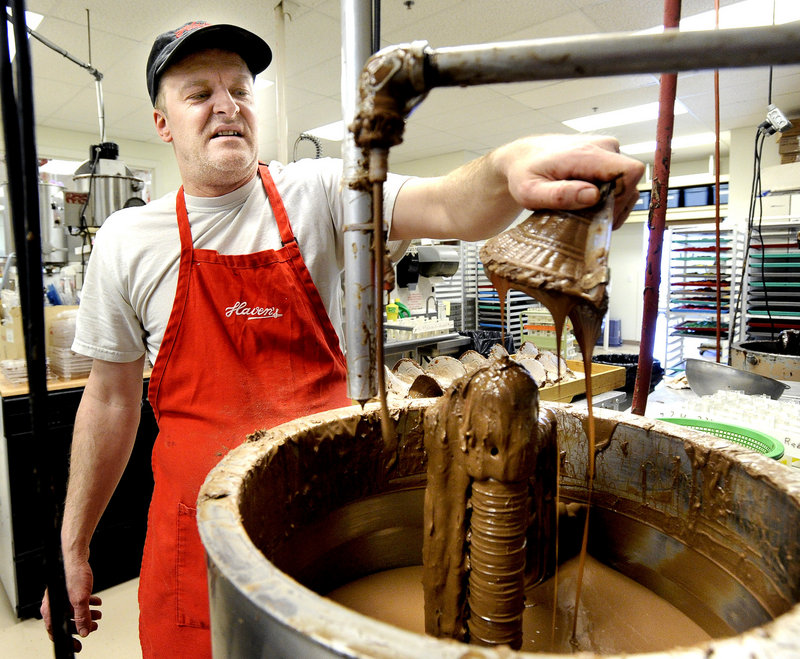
162,125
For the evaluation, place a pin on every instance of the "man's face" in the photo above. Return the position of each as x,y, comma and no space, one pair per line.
209,116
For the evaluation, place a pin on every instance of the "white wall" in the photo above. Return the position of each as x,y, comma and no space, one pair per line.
627,263
742,150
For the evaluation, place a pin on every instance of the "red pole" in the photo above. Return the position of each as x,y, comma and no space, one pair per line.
716,200
657,220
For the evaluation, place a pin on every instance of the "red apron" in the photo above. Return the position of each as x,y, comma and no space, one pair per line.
248,345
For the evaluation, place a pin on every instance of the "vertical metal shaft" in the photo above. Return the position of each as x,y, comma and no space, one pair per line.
98,84
20,142
497,548
359,264
282,120
488,504
101,110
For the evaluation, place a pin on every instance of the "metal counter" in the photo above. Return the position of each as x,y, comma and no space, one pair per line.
427,346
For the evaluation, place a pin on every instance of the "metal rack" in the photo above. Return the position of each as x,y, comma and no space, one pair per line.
691,294
487,300
773,281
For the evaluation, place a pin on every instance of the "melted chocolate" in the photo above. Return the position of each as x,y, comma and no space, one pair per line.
483,444
560,259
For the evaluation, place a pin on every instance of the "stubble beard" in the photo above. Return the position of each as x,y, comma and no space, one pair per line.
225,169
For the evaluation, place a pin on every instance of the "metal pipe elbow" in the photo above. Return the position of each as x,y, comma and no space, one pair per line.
391,85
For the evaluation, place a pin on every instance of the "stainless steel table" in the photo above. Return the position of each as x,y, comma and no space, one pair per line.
428,346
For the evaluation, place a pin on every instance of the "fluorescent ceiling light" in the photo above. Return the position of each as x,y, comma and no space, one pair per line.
59,167
748,13
262,83
684,142
32,19
333,132
624,117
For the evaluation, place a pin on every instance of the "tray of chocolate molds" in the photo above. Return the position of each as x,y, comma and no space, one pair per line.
558,379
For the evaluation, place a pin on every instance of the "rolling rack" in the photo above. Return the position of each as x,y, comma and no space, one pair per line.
691,297
487,301
773,281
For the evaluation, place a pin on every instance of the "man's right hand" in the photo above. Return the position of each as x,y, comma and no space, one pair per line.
83,618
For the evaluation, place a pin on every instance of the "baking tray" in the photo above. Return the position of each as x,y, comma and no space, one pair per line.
605,377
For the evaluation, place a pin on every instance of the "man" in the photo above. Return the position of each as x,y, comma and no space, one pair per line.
181,279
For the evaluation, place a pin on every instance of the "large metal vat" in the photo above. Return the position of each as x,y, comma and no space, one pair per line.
110,184
712,527
51,223
768,358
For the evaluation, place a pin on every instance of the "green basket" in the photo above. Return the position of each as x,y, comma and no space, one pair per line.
752,439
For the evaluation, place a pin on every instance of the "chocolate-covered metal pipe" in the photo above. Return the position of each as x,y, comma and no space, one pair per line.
396,79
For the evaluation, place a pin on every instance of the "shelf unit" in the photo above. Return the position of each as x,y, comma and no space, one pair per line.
517,304
487,300
691,297
773,281
538,327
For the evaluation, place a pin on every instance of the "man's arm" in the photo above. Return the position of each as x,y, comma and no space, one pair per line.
105,429
483,197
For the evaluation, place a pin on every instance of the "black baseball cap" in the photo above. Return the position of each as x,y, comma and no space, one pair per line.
171,46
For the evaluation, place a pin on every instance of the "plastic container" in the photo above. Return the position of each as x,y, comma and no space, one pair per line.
67,364
643,203
673,198
697,196
631,364
723,193
62,329
15,370
614,332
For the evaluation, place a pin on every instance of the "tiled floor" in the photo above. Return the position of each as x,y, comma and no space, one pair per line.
117,636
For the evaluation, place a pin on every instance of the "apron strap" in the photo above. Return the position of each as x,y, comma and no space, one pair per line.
275,201
278,209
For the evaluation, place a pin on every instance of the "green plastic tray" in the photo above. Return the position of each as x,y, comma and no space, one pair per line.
752,439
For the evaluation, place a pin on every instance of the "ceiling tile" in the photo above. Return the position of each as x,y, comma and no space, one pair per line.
558,93
449,120
130,20
565,25
311,40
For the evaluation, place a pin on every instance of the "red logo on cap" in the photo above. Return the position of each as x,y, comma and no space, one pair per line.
189,27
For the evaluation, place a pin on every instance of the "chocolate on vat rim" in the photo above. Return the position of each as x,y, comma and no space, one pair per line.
244,581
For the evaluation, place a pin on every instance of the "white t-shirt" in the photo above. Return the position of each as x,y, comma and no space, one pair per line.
132,274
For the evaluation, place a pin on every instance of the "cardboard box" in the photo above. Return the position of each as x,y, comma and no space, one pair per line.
12,340
776,205
789,145
781,177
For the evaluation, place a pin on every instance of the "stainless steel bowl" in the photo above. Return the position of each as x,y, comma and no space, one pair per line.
706,378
